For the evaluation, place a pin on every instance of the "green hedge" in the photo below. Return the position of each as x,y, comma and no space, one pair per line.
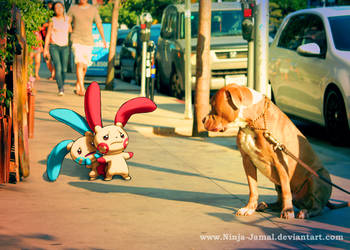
34,15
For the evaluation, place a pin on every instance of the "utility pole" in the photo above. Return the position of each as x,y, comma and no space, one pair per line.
248,34
261,52
188,66
113,42
250,73
203,71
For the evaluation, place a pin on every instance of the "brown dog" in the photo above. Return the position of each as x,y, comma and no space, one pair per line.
254,114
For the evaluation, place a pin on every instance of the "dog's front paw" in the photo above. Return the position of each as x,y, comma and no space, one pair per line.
262,206
287,213
245,211
276,206
303,214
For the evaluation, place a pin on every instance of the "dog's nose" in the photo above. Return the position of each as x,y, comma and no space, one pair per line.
204,119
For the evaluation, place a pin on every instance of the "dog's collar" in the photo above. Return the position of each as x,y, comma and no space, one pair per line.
252,124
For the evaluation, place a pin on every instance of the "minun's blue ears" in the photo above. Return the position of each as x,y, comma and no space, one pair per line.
72,119
54,161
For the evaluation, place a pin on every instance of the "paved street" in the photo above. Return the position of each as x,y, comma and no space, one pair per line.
183,193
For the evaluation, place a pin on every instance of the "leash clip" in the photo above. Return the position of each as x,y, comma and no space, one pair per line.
273,141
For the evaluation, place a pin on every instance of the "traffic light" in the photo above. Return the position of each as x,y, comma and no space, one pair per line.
248,22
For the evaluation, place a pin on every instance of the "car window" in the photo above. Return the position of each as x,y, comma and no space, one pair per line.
223,23
182,26
171,25
155,31
134,36
303,29
315,33
339,25
293,33
164,23
121,37
128,38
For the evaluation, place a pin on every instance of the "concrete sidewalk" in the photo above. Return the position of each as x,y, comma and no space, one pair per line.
183,194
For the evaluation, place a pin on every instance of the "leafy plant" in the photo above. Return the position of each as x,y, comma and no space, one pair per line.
131,10
34,15
5,100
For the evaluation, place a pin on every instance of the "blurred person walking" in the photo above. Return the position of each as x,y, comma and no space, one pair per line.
48,60
35,55
83,15
56,43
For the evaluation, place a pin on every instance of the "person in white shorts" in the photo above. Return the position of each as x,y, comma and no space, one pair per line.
83,15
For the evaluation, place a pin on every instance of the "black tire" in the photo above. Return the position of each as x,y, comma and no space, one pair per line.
177,85
335,117
117,72
158,83
124,78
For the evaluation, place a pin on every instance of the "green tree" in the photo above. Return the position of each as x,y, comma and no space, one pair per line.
132,9
34,15
281,8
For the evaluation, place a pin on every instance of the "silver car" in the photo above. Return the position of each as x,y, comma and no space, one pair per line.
309,68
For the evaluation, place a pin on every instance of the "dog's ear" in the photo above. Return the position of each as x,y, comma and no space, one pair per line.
239,96
234,98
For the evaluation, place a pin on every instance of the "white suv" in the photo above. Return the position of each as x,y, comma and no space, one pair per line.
309,68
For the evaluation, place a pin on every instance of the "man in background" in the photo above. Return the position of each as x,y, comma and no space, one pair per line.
82,16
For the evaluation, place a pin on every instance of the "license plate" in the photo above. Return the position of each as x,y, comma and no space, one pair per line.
237,79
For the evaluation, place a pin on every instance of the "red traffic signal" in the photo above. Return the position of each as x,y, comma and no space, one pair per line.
247,13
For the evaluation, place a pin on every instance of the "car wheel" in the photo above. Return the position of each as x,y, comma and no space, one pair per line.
176,85
335,117
116,72
158,82
123,77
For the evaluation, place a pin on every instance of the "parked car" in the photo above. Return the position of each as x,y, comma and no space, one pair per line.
120,39
228,49
131,52
309,68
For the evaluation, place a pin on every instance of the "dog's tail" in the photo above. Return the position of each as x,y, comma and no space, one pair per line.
331,205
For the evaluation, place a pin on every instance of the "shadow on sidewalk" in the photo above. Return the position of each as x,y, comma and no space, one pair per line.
328,224
70,168
180,172
173,107
17,241
225,201
324,225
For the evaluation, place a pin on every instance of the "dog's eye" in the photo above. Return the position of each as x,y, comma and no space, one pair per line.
106,137
79,151
93,144
122,135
